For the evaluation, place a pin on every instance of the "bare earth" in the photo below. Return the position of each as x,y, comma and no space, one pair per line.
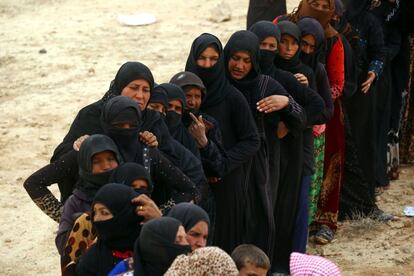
40,95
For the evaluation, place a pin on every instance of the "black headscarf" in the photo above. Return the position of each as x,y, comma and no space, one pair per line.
116,234
267,57
155,249
159,96
189,214
129,71
248,42
126,139
264,29
127,173
214,78
293,64
121,231
174,119
311,26
90,183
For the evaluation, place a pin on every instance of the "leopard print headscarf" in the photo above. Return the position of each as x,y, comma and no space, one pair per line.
204,261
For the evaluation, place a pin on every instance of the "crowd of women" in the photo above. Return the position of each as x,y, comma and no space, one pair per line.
255,149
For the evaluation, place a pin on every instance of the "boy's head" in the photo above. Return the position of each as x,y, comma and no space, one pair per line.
250,260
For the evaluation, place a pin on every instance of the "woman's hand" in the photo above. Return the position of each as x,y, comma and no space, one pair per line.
302,79
367,84
149,139
197,129
77,144
272,103
146,208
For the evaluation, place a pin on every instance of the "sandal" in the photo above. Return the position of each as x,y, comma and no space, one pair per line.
382,216
324,236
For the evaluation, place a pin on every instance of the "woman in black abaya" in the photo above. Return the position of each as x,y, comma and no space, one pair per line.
240,139
358,190
117,228
174,117
121,120
135,81
268,101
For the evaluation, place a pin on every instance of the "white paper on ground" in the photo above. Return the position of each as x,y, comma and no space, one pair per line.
409,211
137,19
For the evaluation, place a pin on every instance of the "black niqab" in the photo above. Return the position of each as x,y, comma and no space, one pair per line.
117,234
214,78
264,29
127,138
128,172
174,119
155,249
121,231
90,183
189,214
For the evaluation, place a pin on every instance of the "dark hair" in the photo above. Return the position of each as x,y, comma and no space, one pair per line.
248,253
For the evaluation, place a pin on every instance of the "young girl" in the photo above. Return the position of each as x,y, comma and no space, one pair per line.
240,139
117,227
98,156
160,242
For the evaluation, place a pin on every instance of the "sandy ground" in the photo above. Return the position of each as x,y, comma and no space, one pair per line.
41,93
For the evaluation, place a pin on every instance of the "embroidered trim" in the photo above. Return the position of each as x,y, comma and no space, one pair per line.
376,66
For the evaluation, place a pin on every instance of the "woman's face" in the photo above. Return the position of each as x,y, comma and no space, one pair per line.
208,58
103,161
193,97
197,236
157,107
269,43
288,46
139,184
239,65
180,237
175,105
320,5
139,91
308,44
101,212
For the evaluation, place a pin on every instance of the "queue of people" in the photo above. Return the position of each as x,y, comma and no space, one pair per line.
236,163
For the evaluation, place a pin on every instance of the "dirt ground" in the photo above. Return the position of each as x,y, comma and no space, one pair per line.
57,56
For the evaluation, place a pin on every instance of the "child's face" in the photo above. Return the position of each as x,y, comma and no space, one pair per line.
251,270
140,184
288,46
103,161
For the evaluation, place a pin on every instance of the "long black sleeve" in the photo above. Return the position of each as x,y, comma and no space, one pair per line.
169,176
87,121
324,91
306,97
65,172
292,115
245,130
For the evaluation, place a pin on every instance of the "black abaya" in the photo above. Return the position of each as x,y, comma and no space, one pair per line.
264,10
357,192
255,87
240,139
